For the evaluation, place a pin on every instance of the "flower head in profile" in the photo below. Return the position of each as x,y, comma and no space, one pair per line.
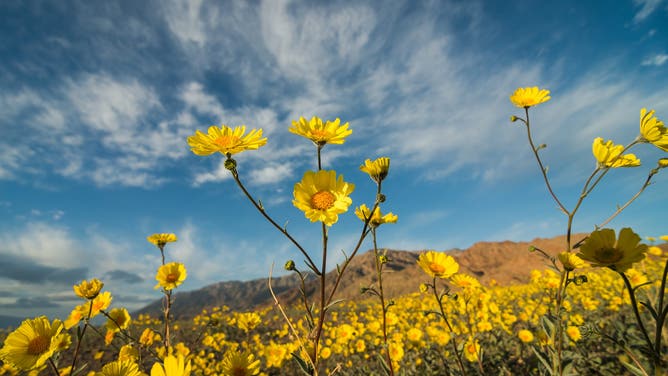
525,335
438,264
321,133
571,261
171,275
172,366
322,196
118,319
240,364
608,154
652,130
88,290
159,240
526,97
465,281
376,169
225,140
32,343
121,368
602,249
377,218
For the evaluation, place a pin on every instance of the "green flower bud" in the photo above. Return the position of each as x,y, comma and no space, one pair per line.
230,164
514,119
290,265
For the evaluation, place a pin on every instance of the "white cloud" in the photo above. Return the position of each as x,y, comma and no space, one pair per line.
647,7
217,175
656,60
184,20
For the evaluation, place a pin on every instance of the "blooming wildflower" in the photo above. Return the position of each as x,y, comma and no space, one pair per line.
120,368
248,321
88,290
377,219
438,264
635,277
571,261
654,251
32,343
465,281
360,346
63,341
525,335
376,169
172,366
652,130
610,155
602,249
325,352
128,353
170,275
573,333
664,238
331,132
240,364
424,288
225,140
414,334
159,240
526,97
119,318
322,196
147,337
471,350
396,351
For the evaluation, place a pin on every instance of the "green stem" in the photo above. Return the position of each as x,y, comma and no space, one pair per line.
80,337
656,357
381,295
455,347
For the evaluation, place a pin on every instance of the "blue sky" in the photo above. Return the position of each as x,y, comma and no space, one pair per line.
97,100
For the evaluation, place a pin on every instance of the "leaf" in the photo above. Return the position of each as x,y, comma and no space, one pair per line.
333,303
305,367
648,305
633,369
540,357
383,364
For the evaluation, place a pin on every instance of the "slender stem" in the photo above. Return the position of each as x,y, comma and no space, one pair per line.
319,147
309,261
540,163
455,347
323,285
80,337
642,189
660,308
634,304
53,367
381,295
166,309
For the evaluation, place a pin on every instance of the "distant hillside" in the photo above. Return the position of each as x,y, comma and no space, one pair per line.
505,262
10,321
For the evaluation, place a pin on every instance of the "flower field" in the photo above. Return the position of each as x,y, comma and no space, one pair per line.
599,308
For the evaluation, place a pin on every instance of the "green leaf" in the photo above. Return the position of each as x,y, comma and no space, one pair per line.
633,369
304,366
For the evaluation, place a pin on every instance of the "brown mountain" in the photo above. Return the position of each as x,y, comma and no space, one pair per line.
505,262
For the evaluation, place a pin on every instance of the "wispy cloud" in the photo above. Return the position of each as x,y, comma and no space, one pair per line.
646,8
656,60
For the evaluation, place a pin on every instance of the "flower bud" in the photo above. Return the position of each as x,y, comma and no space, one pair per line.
532,248
290,265
230,164
663,162
514,119
380,198
424,288
383,259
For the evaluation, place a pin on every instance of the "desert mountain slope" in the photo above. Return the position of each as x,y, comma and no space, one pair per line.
505,262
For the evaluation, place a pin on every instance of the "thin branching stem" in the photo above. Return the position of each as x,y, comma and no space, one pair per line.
381,295
455,347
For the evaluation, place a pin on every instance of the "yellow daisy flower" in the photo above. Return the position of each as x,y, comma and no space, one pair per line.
240,364
88,290
226,140
170,275
573,333
128,353
377,219
330,132
465,281
571,261
438,264
471,350
119,318
172,366
525,336
248,321
322,196
159,240
652,130
610,155
118,368
32,343
602,249
526,97
376,169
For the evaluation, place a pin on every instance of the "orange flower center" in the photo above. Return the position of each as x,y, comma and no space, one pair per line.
437,268
320,135
239,371
226,141
172,277
323,200
38,345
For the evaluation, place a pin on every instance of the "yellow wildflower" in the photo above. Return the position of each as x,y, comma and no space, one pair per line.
225,140
525,335
118,319
172,366
471,350
610,155
170,275
330,132
571,261
529,96
363,212
573,333
602,249
376,169
652,130
118,368
438,264
240,364
159,240
88,290
32,343
465,281
322,196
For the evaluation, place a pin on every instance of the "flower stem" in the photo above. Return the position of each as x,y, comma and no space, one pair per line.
455,347
381,295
